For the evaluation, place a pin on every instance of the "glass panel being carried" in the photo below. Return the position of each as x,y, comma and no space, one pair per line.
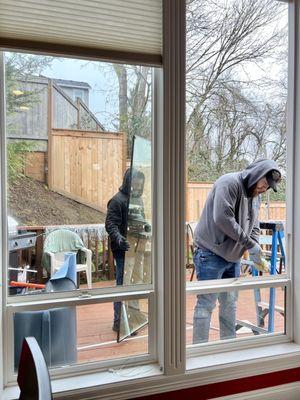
137,261
138,257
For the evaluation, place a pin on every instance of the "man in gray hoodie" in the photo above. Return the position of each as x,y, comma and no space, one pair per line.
227,228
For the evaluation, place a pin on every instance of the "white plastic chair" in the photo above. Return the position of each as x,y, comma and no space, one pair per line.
63,240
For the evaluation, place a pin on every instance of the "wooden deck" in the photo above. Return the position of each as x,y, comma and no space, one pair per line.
96,341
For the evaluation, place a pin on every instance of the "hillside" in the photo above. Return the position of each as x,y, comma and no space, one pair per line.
31,203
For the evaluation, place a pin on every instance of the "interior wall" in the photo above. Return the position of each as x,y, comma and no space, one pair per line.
232,387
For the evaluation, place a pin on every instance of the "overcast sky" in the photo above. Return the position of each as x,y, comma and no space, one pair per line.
104,92
103,100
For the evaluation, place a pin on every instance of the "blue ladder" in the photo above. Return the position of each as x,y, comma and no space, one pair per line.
277,240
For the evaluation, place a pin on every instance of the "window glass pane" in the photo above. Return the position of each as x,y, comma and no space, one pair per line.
236,93
70,129
76,335
234,314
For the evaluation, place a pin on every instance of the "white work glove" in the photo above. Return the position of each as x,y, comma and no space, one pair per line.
263,267
256,254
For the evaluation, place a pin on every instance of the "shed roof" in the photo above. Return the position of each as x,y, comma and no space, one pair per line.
61,82
69,83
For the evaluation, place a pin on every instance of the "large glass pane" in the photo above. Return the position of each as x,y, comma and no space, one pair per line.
76,335
70,130
236,102
134,316
137,266
234,314
138,258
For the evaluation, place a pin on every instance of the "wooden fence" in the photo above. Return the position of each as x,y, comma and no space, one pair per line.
86,166
197,193
85,163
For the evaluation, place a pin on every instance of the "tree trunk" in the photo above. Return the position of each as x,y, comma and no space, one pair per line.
121,73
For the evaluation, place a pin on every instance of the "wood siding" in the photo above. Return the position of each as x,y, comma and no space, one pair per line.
64,111
49,104
32,122
86,166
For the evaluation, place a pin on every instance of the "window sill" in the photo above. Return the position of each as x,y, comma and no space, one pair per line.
70,387
254,361
139,381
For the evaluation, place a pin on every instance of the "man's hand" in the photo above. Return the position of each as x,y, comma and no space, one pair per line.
147,228
122,243
256,254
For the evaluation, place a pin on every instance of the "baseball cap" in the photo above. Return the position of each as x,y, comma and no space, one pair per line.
273,179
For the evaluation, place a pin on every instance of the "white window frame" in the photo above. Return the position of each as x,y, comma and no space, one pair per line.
243,283
169,257
239,343
59,372
95,296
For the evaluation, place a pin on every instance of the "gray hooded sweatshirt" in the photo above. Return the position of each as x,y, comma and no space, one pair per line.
229,222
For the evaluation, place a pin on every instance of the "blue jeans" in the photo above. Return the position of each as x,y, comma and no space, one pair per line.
210,266
119,281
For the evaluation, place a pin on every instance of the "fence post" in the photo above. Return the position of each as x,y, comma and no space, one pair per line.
78,112
39,246
48,172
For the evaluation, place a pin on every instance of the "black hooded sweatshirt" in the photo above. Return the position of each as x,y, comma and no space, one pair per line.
117,211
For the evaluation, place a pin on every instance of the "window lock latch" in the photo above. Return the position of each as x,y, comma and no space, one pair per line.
84,295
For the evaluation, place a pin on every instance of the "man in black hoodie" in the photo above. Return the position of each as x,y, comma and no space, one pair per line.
227,228
116,226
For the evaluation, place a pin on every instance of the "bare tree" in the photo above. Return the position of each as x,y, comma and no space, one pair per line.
134,88
121,72
227,133
227,127
18,67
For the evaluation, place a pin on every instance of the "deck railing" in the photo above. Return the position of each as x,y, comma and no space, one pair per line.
68,114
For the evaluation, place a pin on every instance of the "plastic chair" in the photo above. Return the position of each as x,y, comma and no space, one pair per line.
59,242
55,331
33,376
